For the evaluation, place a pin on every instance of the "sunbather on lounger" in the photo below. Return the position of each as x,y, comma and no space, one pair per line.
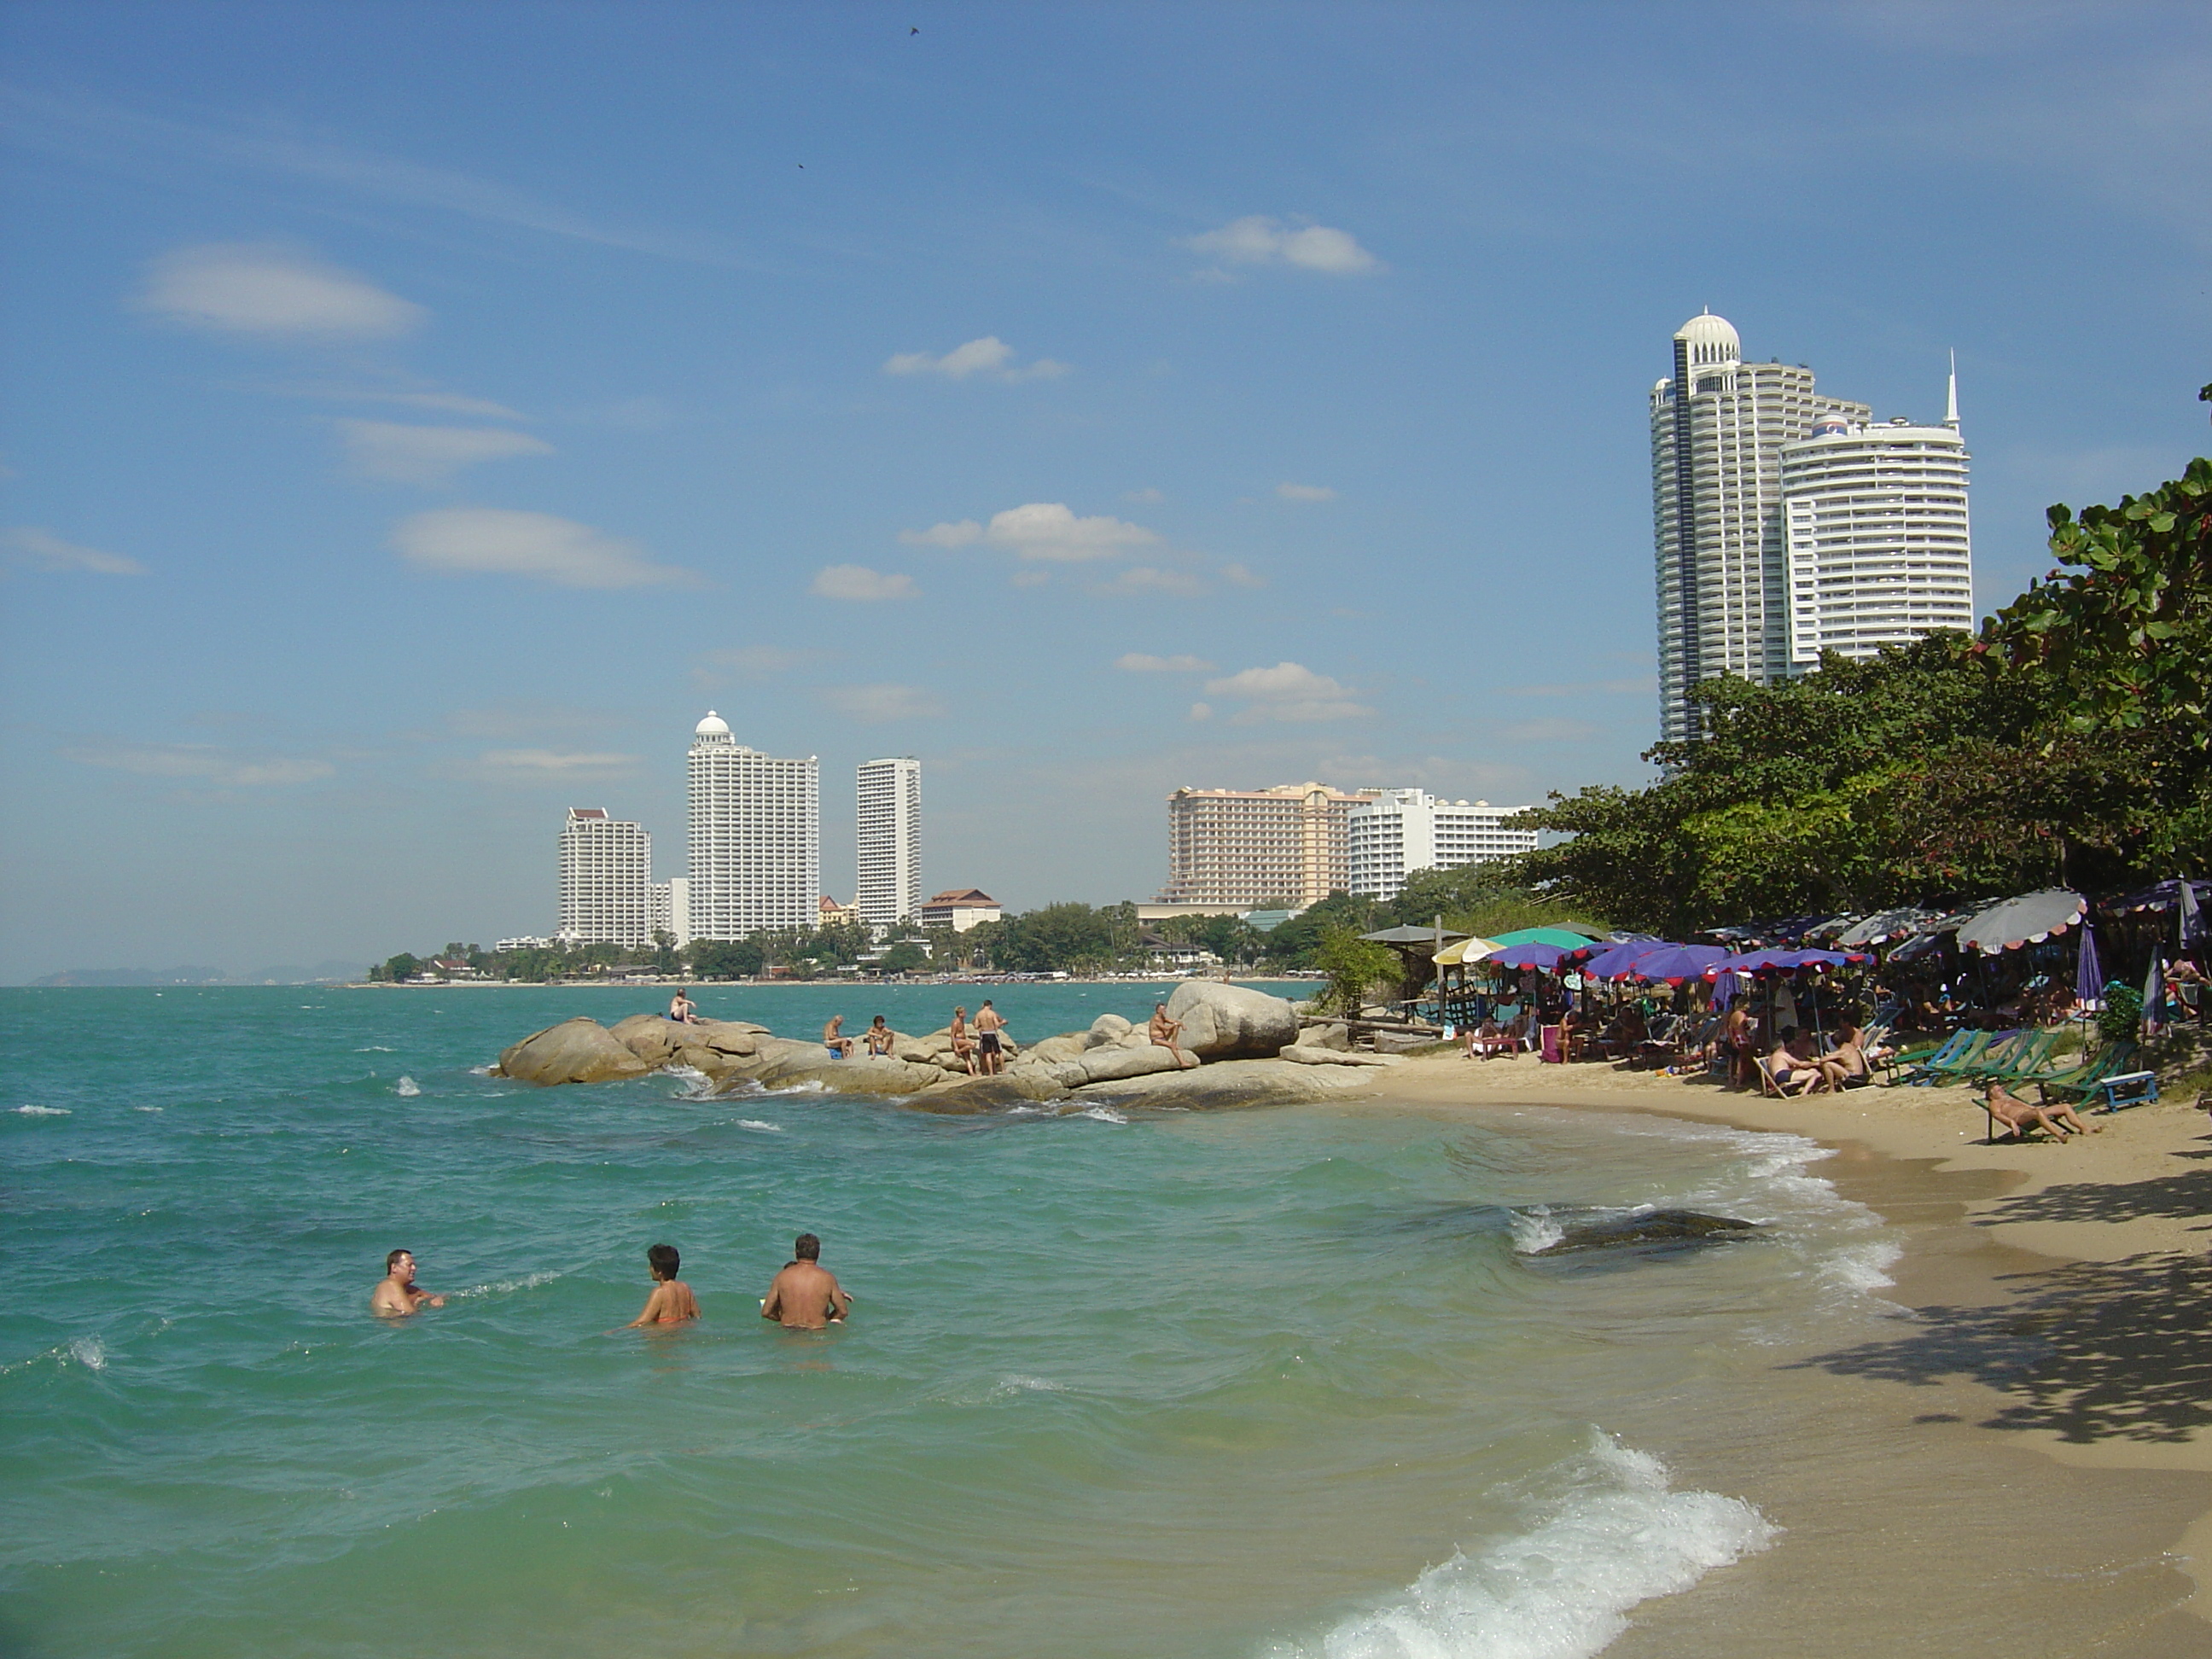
2017,1116
1850,1053
1798,1071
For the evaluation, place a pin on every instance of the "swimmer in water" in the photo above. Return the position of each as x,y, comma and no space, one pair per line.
805,1296
396,1294
671,1302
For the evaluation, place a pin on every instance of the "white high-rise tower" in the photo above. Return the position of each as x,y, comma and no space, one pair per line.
1879,544
890,840
1717,430
756,843
606,867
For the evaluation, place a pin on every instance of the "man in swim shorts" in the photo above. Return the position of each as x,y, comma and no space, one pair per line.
840,1046
396,1295
880,1037
671,1302
805,1296
989,1022
682,1009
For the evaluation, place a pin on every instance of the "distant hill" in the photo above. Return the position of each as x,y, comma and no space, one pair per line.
321,973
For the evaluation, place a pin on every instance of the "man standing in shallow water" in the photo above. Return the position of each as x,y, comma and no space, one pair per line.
805,1296
396,1296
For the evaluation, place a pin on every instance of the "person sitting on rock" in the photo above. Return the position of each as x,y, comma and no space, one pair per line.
834,1039
682,1009
1163,1032
880,1036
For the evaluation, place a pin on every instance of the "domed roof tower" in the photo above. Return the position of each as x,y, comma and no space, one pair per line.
1710,340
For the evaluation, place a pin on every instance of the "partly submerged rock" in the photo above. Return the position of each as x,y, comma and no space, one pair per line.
579,1050
1229,1022
1312,1053
970,1094
1229,1082
1650,1227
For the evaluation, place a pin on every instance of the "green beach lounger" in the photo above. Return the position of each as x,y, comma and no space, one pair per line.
2083,1079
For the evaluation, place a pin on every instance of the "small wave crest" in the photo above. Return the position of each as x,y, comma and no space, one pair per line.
1613,1537
375,1048
697,1085
1104,1114
1862,1266
89,1352
43,1111
757,1123
407,1088
1535,1230
503,1286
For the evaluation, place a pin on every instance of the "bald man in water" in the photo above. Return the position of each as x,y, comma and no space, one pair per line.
805,1296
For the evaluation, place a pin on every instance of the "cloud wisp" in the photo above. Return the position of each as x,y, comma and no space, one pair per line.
990,357
549,765
858,583
272,292
204,763
28,547
486,541
1289,691
1138,662
875,704
1046,531
400,453
1298,492
1259,240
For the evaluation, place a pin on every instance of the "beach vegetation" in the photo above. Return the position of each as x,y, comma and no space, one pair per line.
1356,967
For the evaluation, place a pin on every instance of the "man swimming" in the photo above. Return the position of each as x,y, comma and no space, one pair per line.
805,1296
671,1302
396,1294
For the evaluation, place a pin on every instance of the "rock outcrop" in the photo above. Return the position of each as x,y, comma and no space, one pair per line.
1650,1227
1228,1022
577,1050
1309,1053
1228,1083
709,1043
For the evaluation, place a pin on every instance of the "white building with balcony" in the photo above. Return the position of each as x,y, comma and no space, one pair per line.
755,837
888,842
1878,542
1402,831
606,866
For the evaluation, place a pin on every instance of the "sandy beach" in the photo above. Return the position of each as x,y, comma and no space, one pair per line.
2059,1292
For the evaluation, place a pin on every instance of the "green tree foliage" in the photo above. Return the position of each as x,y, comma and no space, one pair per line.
1354,967
904,958
2068,742
1229,937
725,958
404,966
1297,942
1063,938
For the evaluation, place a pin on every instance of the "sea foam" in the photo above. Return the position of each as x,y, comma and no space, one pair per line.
42,1111
1613,1537
407,1088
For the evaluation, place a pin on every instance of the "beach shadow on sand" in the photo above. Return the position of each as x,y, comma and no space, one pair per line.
2092,1351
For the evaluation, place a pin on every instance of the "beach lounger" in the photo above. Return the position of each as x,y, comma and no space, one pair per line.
2021,1062
2082,1080
1950,1063
1908,1060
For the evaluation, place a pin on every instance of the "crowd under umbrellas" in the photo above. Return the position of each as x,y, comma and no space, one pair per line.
2032,958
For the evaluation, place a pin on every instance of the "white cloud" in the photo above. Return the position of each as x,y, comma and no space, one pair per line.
496,542
857,581
429,454
1201,711
1242,576
884,702
275,292
1136,662
1288,691
29,548
1259,240
203,761
551,765
1046,531
1298,492
989,356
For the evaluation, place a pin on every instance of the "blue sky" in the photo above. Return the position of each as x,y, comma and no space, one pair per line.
417,416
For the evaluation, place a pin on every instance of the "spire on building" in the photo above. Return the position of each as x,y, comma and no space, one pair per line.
1951,402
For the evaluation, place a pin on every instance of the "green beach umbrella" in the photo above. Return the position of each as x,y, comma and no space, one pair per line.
1565,938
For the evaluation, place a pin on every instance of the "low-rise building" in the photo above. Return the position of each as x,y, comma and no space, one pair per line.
834,914
960,909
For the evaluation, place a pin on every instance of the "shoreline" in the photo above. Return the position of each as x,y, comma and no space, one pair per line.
1994,1237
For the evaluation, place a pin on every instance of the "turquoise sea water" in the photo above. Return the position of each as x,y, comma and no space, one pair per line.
1283,1381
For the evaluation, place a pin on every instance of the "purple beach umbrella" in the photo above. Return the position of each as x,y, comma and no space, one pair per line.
1679,963
2089,973
1546,957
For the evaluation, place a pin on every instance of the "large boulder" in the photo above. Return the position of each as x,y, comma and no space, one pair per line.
1228,1083
1312,1053
1115,1061
662,1041
1109,1028
1228,1022
577,1050
970,1094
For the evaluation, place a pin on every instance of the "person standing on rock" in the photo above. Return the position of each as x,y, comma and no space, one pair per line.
1164,1032
964,1040
989,1045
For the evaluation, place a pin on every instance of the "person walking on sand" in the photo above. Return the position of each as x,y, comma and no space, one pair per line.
396,1295
990,1043
671,1302
682,1009
834,1039
1164,1032
964,1040
807,1295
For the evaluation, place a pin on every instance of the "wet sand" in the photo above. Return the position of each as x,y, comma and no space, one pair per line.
2022,1468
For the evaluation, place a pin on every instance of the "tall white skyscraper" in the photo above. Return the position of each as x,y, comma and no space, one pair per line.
1402,831
1876,529
1717,431
606,866
756,841
890,840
